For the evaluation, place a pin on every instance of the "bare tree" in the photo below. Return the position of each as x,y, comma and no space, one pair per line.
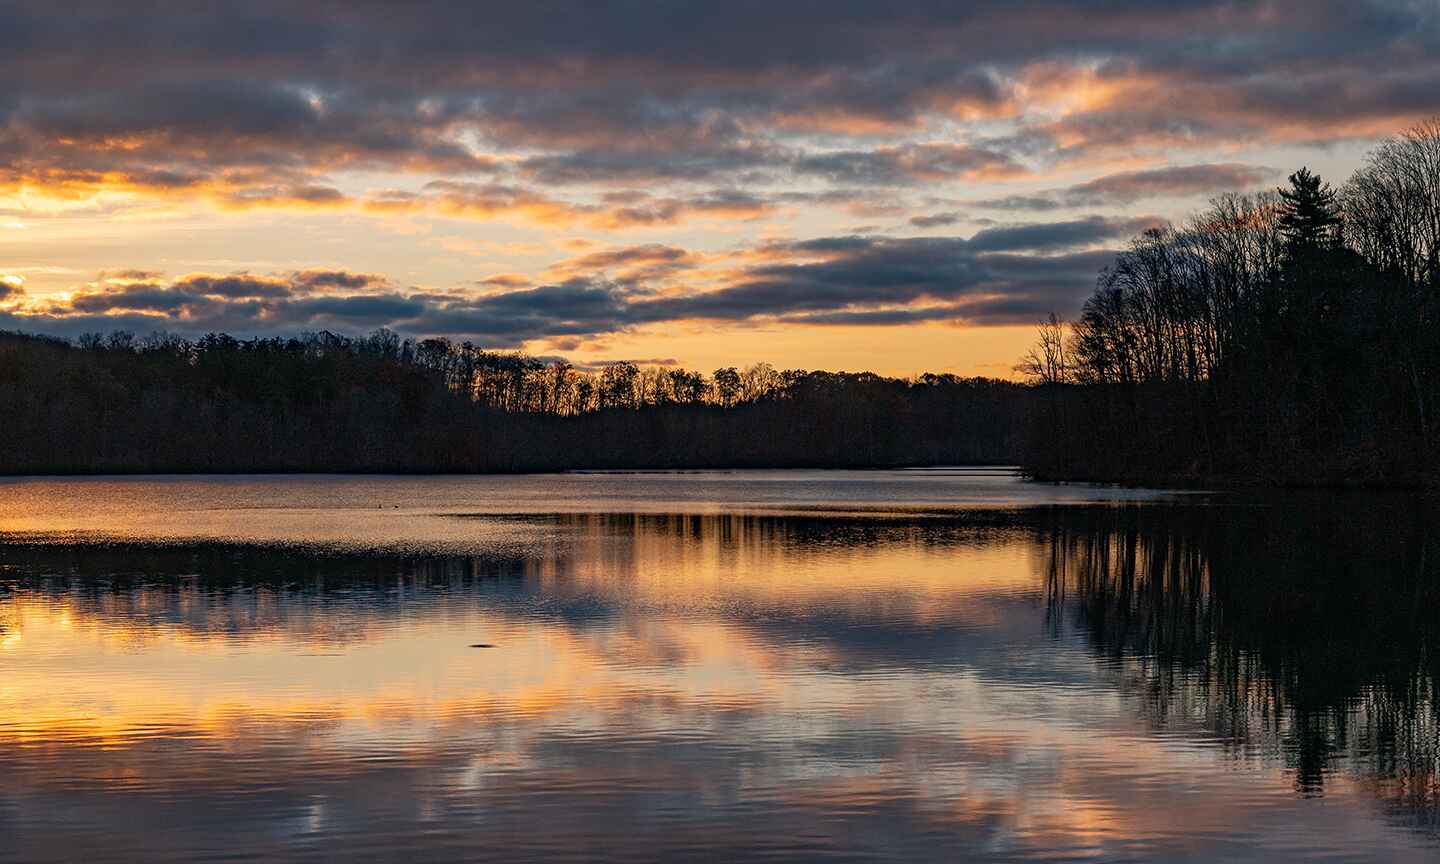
1046,363
1392,218
1392,206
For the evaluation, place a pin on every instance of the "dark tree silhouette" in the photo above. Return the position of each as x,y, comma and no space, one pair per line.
1046,363
324,402
1291,337
1309,217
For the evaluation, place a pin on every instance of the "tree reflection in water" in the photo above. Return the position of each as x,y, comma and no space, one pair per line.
1304,634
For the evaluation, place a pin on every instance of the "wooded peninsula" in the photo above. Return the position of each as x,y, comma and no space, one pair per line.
1288,337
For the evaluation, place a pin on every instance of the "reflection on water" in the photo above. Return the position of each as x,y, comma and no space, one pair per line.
418,514
1303,638
1139,682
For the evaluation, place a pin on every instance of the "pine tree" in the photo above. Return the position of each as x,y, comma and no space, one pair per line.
1309,216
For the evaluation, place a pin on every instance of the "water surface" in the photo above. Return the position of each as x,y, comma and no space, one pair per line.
936,665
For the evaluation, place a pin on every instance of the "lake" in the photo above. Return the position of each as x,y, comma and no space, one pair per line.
939,665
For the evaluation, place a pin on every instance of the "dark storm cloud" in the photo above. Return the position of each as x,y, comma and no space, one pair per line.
277,95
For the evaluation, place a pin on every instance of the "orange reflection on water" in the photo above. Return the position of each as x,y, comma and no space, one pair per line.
823,673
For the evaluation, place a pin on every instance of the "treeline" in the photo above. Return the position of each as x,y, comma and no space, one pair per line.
380,403
1286,337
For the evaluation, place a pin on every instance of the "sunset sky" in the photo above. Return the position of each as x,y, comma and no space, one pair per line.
849,184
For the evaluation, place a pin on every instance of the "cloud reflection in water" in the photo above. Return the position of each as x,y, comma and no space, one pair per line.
721,685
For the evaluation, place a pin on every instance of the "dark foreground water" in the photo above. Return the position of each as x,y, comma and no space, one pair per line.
937,666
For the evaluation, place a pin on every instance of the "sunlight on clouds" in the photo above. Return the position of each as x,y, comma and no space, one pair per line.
462,173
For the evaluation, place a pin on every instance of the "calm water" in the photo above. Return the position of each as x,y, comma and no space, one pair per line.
927,665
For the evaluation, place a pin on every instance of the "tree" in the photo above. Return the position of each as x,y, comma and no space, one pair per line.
758,381
1309,215
323,402
1046,363
617,386
1293,335
727,385
1392,208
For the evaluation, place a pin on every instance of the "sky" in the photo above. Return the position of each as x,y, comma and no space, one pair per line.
902,187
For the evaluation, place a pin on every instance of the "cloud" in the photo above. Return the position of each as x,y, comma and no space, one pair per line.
609,162
1049,236
507,280
844,274
911,164
574,308
630,265
327,280
132,275
270,104
1129,187
248,303
234,287
1000,275
597,119
726,204
938,220
11,287
616,211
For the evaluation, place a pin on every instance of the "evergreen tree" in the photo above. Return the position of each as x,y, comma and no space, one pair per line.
1309,215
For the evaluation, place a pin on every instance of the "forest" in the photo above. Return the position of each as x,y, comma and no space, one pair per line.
1281,338
380,403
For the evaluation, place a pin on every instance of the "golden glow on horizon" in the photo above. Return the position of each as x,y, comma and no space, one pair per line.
502,225
938,347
